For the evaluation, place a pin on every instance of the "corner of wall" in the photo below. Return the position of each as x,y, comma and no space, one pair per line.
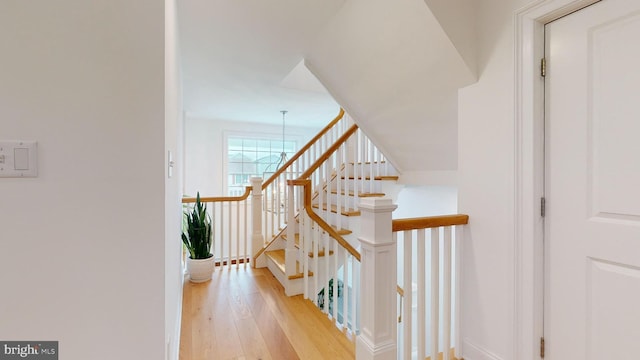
456,17
174,135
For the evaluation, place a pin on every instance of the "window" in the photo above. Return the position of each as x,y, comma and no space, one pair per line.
248,157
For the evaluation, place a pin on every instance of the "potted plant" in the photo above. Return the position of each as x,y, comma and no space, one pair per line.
196,236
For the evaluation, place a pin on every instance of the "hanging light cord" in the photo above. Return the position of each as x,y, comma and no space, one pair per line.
283,154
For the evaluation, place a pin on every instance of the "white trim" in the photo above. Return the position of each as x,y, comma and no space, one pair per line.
177,332
475,352
529,175
459,240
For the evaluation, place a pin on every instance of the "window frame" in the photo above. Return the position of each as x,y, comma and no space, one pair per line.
271,136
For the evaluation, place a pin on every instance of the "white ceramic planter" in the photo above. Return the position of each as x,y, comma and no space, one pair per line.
200,270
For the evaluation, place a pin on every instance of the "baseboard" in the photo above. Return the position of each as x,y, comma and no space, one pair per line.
173,346
175,355
471,351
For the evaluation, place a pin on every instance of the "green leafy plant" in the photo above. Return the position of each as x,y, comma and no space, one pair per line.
196,235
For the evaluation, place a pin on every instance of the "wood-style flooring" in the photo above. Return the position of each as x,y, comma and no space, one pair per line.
244,314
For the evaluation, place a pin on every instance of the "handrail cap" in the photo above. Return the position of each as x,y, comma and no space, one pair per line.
429,222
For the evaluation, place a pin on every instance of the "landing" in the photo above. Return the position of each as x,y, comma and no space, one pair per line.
244,313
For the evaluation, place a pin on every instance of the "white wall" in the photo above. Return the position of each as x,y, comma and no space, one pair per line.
205,149
419,201
396,71
81,246
486,182
173,185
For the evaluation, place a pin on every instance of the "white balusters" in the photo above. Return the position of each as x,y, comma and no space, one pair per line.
446,302
431,281
422,297
229,233
435,291
230,228
345,289
221,227
371,164
339,184
407,284
355,298
290,249
238,231
257,239
330,266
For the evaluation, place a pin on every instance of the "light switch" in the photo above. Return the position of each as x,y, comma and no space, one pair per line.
18,159
21,159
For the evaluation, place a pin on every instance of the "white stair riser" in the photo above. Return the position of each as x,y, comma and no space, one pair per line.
350,200
378,169
275,270
337,220
350,185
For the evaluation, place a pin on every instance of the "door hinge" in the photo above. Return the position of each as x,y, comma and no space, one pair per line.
543,206
543,67
542,347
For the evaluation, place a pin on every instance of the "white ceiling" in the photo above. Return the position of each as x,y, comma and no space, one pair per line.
242,60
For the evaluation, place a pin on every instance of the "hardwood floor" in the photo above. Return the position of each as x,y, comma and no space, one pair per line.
244,314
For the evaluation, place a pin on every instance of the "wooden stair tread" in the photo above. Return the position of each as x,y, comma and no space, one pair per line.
367,162
440,355
334,209
382,178
278,258
351,193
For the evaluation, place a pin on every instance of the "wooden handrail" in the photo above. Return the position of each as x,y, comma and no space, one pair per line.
400,290
247,191
295,157
304,181
429,222
341,140
306,184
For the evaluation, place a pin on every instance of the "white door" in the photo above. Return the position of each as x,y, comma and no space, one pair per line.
592,189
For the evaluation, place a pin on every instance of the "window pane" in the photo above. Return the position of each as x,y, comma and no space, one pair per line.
264,145
247,157
290,147
249,143
234,144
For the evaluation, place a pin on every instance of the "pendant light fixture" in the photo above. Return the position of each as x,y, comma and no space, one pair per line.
283,155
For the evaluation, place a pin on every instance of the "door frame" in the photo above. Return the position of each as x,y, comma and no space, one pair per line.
528,250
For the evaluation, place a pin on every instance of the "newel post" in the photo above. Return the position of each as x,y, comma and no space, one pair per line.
257,239
378,281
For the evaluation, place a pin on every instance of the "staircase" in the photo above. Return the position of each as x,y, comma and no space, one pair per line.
312,219
314,250
341,198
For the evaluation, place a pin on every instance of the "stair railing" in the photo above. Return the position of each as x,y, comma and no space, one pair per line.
274,195
230,227
232,216
428,240
383,241
321,195
334,287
